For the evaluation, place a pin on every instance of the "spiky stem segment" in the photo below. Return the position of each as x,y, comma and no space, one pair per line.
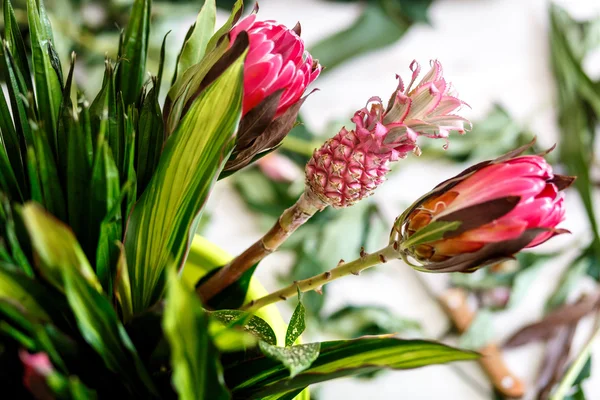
291,219
316,282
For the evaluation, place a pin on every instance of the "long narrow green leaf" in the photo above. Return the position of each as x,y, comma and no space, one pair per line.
17,91
129,173
104,114
197,373
235,15
99,325
12,171
261,377
194,47
132,69
52,193
15,288
78,178
66,118
150,139
8,230
46,70
373,29
576,99
8,180
55,247
105,213
161,225
12,34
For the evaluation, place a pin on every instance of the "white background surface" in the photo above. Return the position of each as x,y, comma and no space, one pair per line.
492,51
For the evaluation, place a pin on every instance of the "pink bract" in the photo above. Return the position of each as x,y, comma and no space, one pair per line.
276,60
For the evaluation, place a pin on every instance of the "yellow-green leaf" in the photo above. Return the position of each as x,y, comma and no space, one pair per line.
197,373
162,224
55,247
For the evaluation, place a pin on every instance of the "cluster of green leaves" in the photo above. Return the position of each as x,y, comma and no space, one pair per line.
99,204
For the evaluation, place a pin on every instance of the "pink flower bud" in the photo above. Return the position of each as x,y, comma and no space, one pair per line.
276,60
484,215
351,165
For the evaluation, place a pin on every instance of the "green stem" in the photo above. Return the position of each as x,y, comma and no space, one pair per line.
317,281
576,367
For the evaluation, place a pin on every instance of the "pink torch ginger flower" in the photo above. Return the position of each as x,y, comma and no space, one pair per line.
485,214
351,165
276,61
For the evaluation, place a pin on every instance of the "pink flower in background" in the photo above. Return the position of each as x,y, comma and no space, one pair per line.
351,165
279,168
276,60
37,368
501,207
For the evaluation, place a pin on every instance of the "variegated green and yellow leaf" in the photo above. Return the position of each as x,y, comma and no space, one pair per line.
162,224
260,378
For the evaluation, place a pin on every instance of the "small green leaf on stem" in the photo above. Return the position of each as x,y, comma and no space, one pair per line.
295,358
297,323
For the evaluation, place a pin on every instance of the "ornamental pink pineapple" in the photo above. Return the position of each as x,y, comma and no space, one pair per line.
484,215
352,164
276,60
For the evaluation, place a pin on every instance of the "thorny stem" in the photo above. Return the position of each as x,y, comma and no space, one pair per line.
316,282
291,219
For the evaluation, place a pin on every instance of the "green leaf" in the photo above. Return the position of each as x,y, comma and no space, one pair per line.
10,235
522,282
106,118
79,171
195,79
150,139
432,232
297,323
354,321
236,11
46,70
105,214
197,372
123,286
46,169
567,283
480,332
100,327
18,95
196,42
132,69
578,110
17,288
373,29
12,33
250,323
162,223
55,246
295,358
261,377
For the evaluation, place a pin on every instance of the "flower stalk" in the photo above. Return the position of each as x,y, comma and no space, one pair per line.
316,282
291,219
